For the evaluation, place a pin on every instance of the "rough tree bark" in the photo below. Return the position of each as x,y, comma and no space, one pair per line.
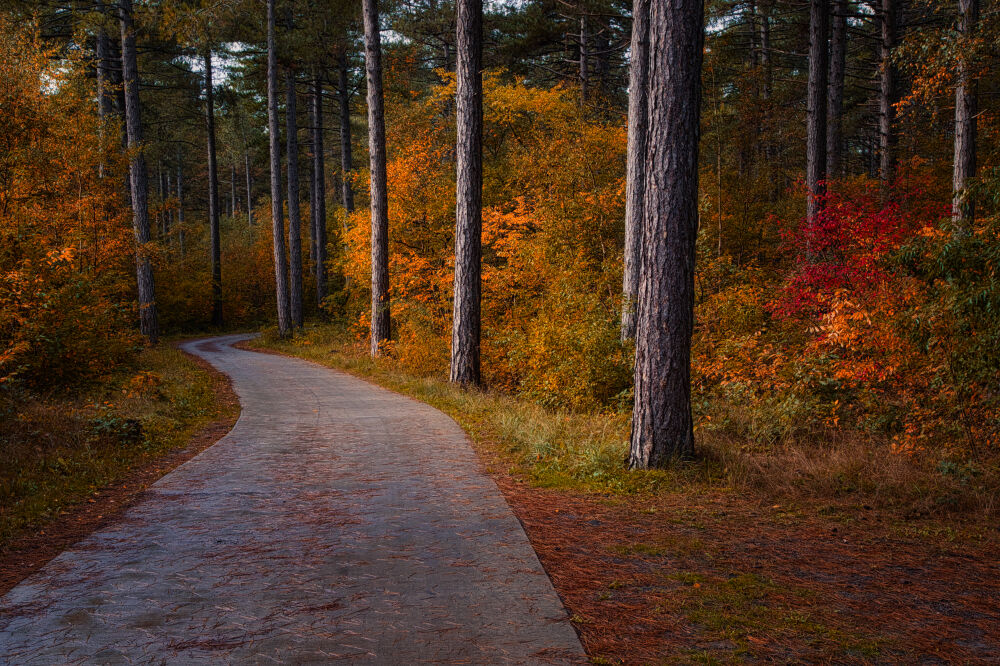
180,205
584,57
213,197
294,216
465,332
138,177
966,106
246,167
319,192
103,52
835,98
636,163
277,218
662,427
346,161
819,12
886,111
380,331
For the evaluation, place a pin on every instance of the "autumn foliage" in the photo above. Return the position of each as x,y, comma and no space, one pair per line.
66,249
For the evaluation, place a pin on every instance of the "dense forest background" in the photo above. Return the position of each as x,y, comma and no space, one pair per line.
878,321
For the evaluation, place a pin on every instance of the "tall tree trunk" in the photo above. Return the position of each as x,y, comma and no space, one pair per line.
662,427
584,65
765,46
819,12
249,175
277,214
966,106
636,163
294,217
380,330
835,98
346,161
213,196
465,332
138,177
232,189
319,185
180,205
105,109
886,111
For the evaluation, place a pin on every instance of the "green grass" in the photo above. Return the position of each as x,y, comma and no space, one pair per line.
56,451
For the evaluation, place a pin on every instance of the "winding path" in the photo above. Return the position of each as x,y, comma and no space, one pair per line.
337,521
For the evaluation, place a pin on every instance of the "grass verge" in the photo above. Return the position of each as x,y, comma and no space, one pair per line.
60,451
836,472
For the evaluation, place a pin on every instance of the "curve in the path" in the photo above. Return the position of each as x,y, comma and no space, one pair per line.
337,521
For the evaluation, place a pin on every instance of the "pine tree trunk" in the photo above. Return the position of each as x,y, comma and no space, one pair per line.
138,177
232,190
765,46
246,168
636,163
294,216
346,161
102,50
662,427
835,98
180,205
819,12
966,107
380,330
584,56
213,197
319,185
277,217
886,111
465,334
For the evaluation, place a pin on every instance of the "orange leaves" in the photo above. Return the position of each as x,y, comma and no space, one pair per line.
67,256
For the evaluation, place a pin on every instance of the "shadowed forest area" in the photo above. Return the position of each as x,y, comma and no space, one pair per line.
713,287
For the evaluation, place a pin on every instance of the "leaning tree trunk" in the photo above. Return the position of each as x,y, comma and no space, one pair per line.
886,111
636,164
319,192
294,217
819,11
213,197
138,177
966,105
380,330
835,98
346,162
662,427
465,332
277,219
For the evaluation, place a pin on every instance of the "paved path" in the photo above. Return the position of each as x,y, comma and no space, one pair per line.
337,521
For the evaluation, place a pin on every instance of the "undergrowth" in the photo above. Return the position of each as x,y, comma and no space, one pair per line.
58,449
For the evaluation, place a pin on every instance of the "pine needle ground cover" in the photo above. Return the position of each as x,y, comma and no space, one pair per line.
816,551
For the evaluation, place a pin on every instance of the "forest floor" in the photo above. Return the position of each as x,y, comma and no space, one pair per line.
690,566
74,463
